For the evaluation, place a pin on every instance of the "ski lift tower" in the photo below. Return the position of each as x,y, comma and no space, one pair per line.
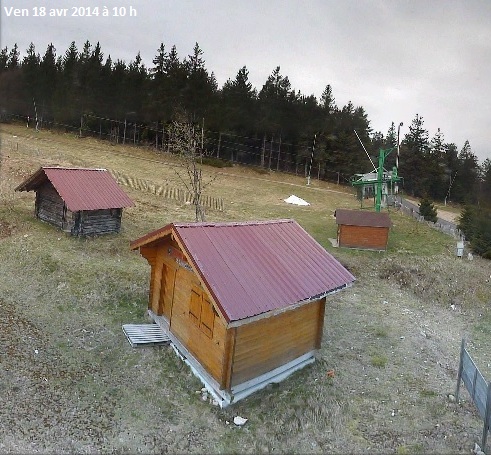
379,179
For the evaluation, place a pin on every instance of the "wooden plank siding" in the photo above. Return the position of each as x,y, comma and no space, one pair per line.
156,274
368,237
229,352
269,343
209,350
171,287
320,323
94,222
49,205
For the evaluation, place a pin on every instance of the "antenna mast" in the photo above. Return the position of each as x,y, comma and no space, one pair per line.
311,159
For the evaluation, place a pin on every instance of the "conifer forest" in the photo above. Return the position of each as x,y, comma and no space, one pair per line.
275,126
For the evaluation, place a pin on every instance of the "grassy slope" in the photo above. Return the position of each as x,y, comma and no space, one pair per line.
86,389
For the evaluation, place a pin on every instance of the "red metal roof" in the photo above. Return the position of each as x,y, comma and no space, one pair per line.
362,218
252,268
80,189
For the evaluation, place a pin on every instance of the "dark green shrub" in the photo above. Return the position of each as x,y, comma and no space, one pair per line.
428,210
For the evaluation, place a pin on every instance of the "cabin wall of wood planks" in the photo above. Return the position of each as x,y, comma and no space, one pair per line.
172,282
271,342
49,205
368,237
96,222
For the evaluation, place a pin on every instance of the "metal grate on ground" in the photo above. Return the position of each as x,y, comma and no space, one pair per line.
145,334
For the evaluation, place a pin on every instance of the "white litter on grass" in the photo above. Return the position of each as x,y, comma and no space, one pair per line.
295,200
239,421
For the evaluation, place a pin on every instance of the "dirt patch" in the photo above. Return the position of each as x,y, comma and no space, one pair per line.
6,229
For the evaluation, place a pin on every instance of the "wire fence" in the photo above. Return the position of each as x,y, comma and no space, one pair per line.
447,227
478,388
268,152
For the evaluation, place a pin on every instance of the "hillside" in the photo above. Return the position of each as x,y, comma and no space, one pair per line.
72,383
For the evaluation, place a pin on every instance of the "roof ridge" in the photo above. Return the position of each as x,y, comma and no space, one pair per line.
230,223
74,168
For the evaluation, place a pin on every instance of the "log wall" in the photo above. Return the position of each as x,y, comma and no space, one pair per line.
49,205
95,222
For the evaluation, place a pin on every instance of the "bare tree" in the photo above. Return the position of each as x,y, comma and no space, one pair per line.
187,142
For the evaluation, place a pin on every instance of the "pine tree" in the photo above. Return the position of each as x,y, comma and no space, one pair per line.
158,71
328,103
4,58
435,167
428,210
238,103
412,163
200,90
30,70
486,183
48,80
13,58
273,102
466,186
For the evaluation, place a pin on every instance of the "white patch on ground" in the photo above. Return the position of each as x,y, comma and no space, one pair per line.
295,200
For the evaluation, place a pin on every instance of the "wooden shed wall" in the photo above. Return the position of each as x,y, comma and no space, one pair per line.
210,351
93,222
171,291
49,205
272,342
363,237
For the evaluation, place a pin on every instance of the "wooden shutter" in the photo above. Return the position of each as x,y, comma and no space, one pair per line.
195,307
207,317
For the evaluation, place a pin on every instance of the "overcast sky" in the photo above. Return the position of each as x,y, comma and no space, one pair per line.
395,58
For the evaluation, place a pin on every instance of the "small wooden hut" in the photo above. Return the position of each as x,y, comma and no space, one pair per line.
362,229
243,302
78,201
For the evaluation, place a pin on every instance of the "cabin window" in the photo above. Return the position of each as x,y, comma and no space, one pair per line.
201,312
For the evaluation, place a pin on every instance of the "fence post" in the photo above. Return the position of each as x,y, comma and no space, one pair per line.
487,419
461,366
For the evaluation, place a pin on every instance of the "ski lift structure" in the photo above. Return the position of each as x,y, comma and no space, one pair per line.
380,184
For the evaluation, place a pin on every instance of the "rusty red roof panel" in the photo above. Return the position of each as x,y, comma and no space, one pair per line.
362,218
81,189
256,267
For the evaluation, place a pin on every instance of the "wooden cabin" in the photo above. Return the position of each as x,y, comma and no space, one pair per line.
79,201
362,229
242,302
